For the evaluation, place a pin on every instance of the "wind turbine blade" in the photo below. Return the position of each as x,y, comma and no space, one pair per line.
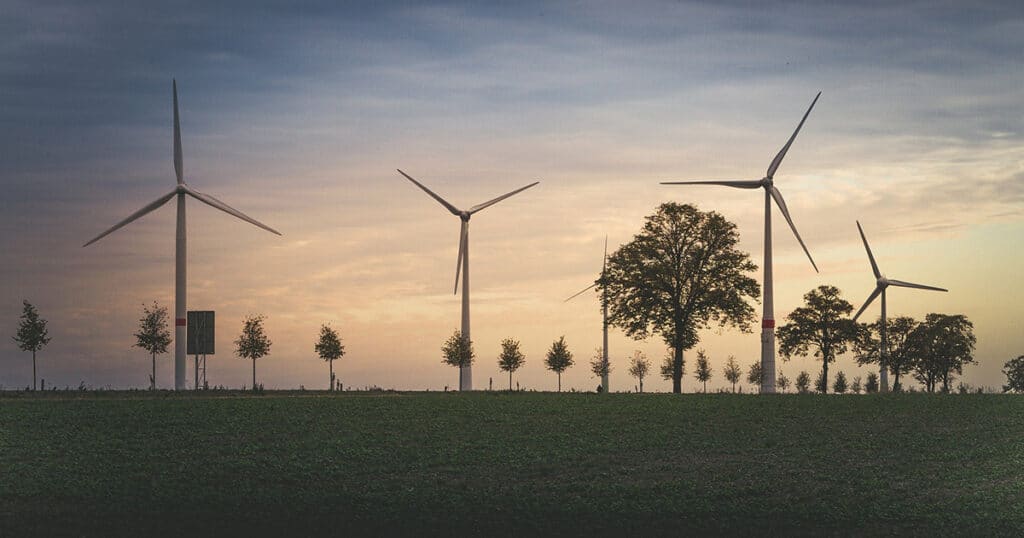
903,284
785,213
577,294
487,204
871,257
782,153
876,293
462,252
443,202
149,207
178,162
739,184
213,202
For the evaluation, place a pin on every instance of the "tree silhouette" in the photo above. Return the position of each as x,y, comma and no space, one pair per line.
820,326
457,351
32,334
329,348
871,385
1014,372
899,355
839,386
511,358
803,382
754,374
558,359
598,366
704,371
782,382
639,367
153,335
732,371
680,274
253,343
942,345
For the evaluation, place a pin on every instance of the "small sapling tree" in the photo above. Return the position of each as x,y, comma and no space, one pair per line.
558,359
639,366
32,335
153,335
457,351
754,374
329,348
871,385
839,385
803,382
732,371
253,343
782,382
511,358
856,386
704,371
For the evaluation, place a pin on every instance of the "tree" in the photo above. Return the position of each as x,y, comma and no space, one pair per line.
754,375
899,355
871,385
457,351
639,366
782,382
510,359
704,371
820,383
803,382
153,335
558,359
329,348
732,371
598,365
839,386
680,274
856,386
942,344
32,335
253,342
1014,372
821,326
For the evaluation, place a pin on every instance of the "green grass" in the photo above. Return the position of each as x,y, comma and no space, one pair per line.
98,464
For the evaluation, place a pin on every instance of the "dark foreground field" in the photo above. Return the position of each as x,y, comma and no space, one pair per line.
498,464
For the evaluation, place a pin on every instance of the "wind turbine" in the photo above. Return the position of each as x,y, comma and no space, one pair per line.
466,373
604,316
770,192
179,191
881,283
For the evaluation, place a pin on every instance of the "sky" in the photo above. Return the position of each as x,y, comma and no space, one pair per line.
299,116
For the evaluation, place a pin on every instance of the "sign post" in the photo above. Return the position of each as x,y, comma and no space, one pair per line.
200,341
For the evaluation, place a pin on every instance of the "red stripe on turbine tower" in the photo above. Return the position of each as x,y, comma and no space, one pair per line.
768,324
180,322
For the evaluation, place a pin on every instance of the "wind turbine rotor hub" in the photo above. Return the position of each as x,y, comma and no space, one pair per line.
464,216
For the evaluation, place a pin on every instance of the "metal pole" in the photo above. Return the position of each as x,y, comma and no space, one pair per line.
883,353
180,308
768,319
466,372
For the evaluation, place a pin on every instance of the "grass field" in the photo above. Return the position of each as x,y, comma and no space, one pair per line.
101,464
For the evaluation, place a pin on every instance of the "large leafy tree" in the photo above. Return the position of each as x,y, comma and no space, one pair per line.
639,366
820,327
680,274
32,334
457,351
329,348
153,335
253,343
899,357
704,371
559,359
942,344
1014,372
511,358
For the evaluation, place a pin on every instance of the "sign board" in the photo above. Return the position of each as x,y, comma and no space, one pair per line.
200,332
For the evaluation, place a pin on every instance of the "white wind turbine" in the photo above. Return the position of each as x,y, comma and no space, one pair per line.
770,192
881,283
465,374
179,191
604,317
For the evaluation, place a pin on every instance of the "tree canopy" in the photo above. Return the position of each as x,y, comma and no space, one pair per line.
942,344
820,327
680,274
457,351
1014,372
899,356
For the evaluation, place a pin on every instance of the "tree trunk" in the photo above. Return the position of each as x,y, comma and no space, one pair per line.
331,363
254,374
896,381
945,381
641,385
705,387
152,384
677,362
559,381
34,385
510,380
824,373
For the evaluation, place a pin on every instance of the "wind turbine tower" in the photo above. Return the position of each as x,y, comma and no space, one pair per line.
180,191
881,283
770,193
604,316
466,373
